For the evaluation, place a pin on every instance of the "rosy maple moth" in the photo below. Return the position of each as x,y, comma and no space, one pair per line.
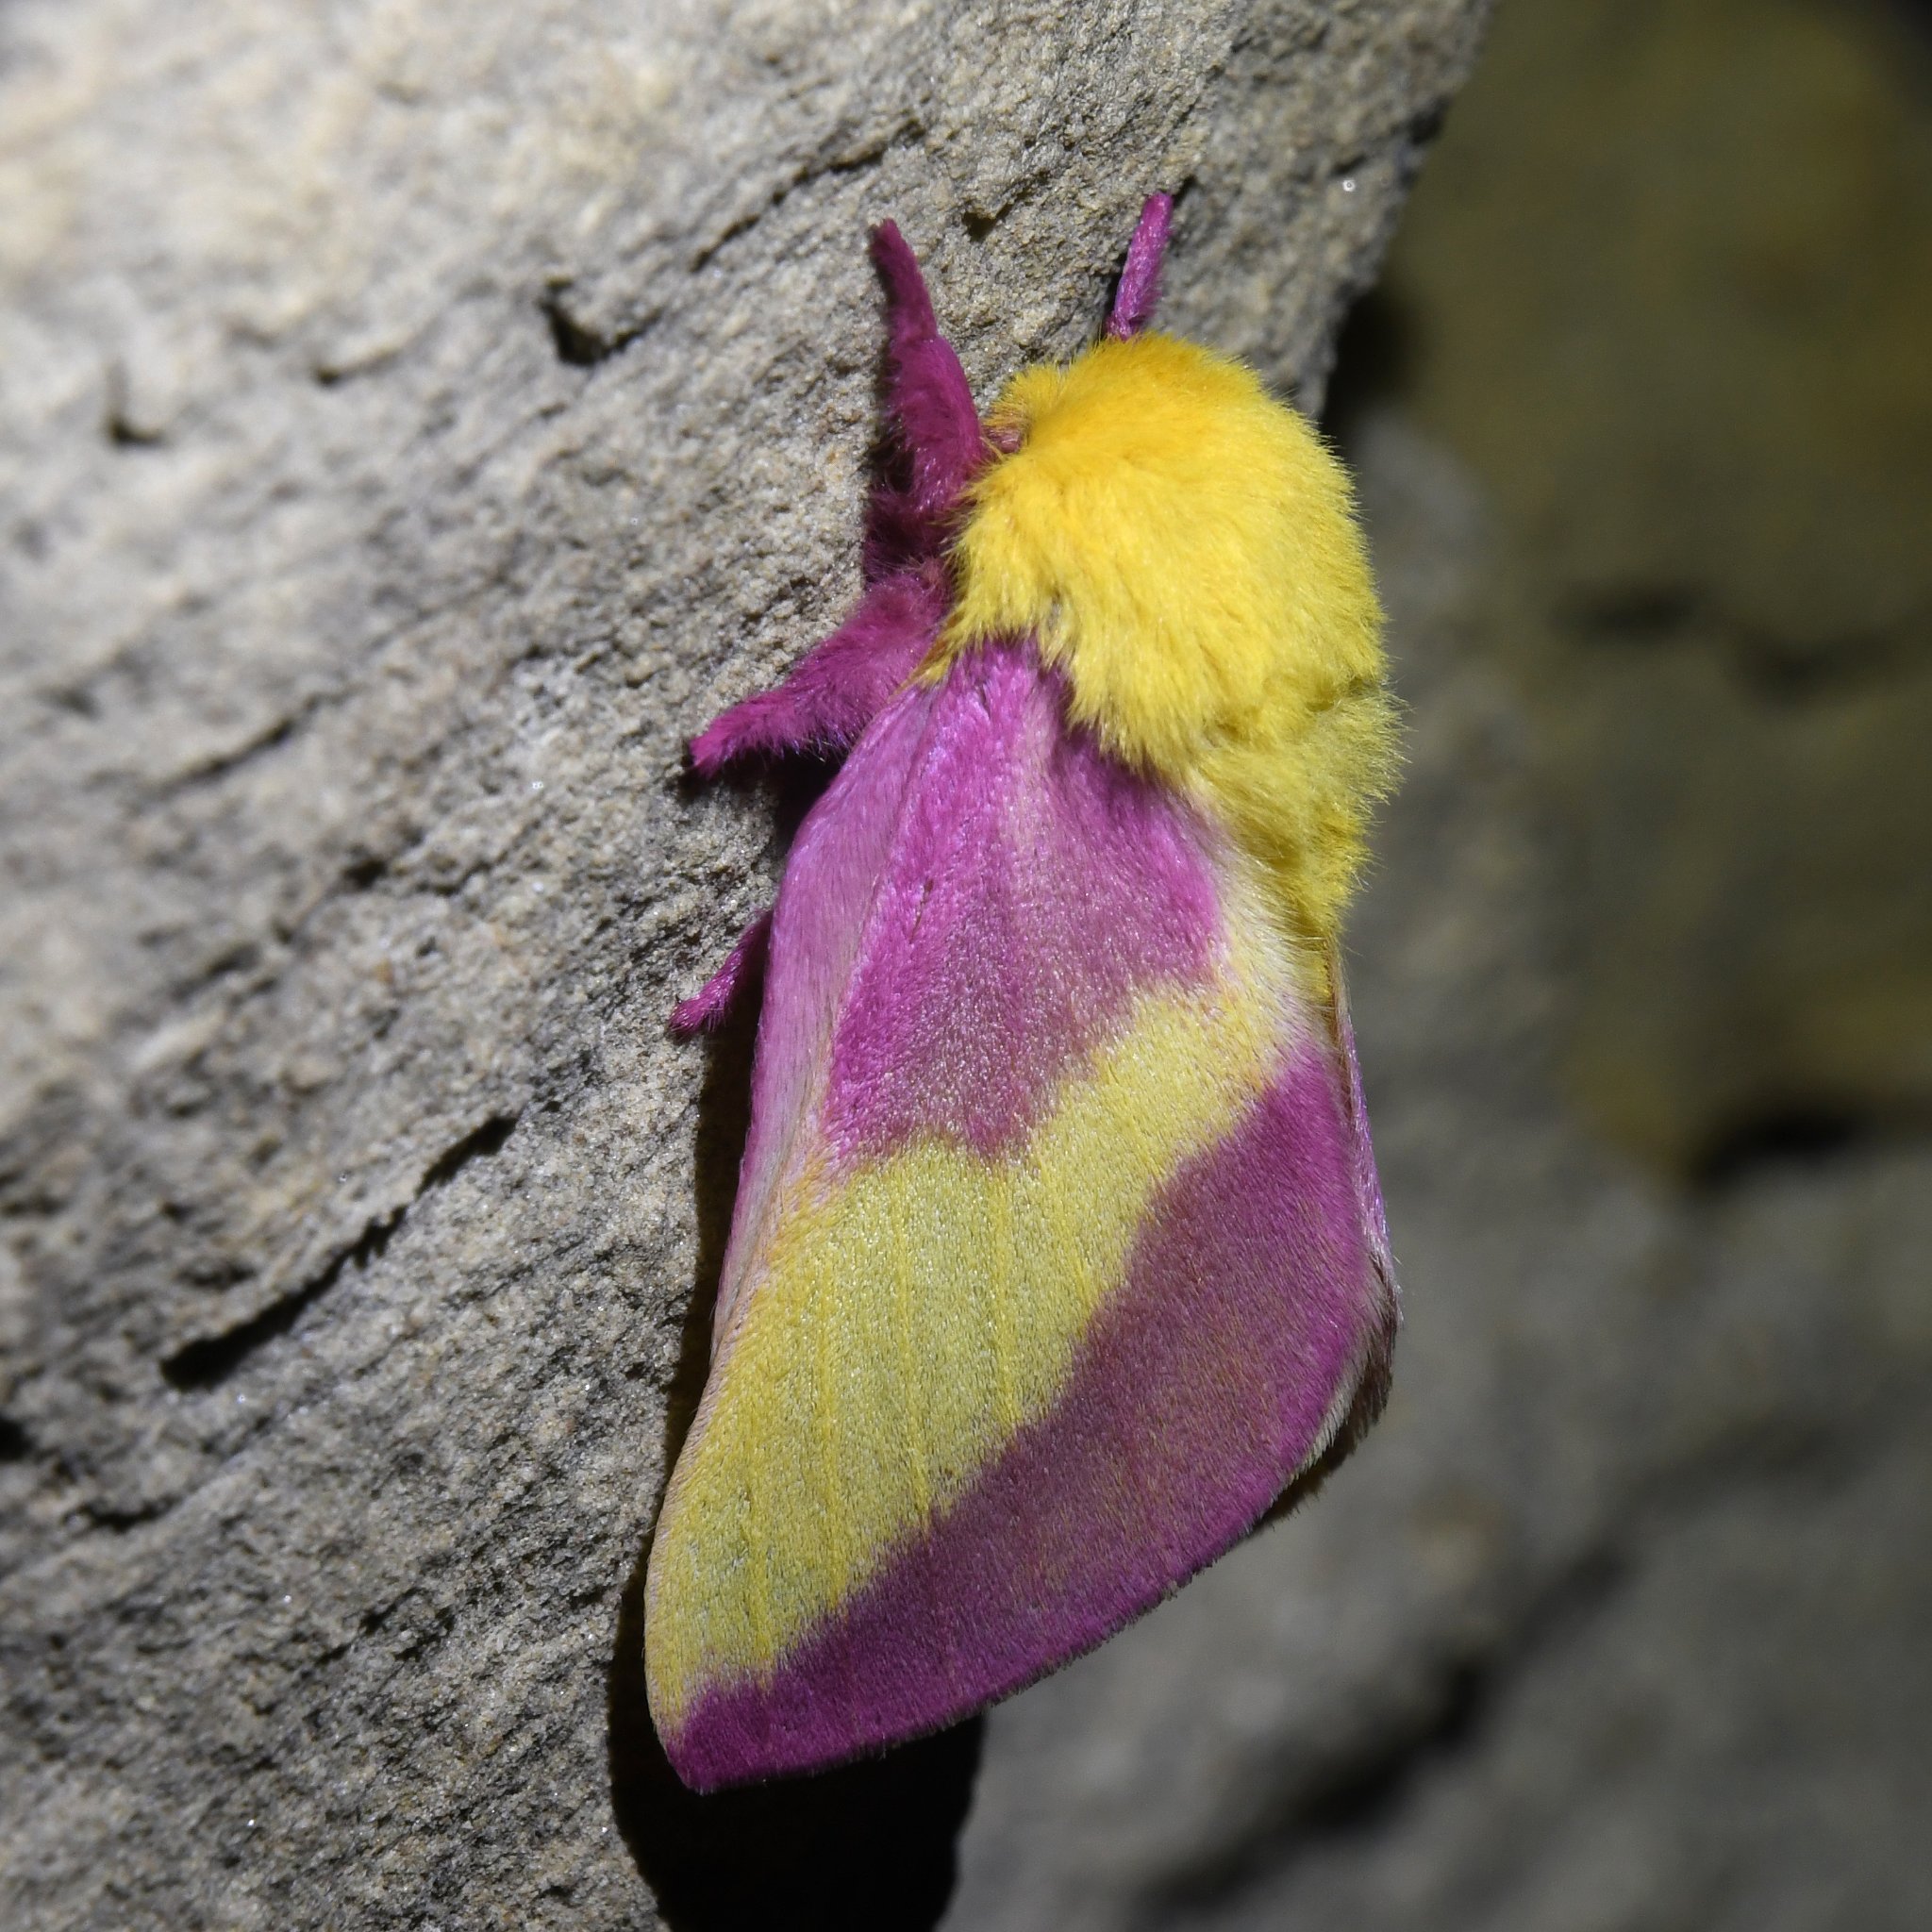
1058,1257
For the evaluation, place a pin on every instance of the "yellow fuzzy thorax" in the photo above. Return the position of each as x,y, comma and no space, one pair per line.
1185,548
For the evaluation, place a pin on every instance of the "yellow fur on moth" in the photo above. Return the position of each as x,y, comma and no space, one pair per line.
1184,547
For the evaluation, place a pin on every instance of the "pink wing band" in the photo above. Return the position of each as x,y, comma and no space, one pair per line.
1015,833
902,900
1249,1315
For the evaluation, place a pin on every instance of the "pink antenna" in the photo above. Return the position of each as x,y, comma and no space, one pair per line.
1140,289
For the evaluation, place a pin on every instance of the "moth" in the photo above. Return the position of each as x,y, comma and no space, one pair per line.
1057,1260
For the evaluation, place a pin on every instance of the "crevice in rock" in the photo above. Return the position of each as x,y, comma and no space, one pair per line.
126,434
1425,124
121,421
478,1145
73,699
278,735
867,157
575,341
210,1360
16,1445
1787,671
108,1516
235,961
1362,1792
1633,615
1776,668
1793,1452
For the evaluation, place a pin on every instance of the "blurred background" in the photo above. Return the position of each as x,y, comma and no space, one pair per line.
1620,1619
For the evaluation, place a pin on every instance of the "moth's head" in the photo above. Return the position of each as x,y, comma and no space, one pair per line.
1178,540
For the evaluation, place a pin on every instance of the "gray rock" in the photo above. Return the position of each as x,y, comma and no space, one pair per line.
415,423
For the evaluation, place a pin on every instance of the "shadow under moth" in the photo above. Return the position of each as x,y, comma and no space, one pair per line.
1057,1260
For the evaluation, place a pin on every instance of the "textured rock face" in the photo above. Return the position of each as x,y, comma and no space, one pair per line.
1616,1620
417,420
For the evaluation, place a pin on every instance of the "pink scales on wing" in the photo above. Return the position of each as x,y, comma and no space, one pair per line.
1032,890
965,916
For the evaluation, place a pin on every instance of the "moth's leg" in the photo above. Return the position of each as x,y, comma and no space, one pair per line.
838,687
927,401
706,1010
1140,289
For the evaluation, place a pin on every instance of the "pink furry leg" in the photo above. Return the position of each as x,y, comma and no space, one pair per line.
1140,289
744,965
837,688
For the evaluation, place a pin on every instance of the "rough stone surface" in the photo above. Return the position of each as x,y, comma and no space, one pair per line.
416,421
1616,1623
